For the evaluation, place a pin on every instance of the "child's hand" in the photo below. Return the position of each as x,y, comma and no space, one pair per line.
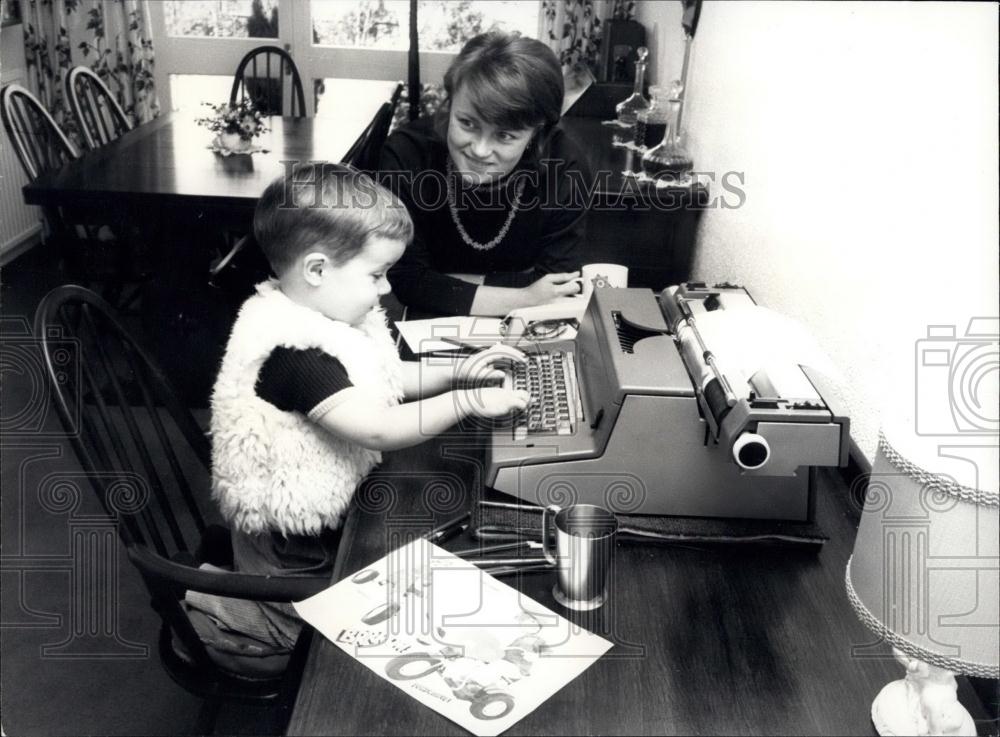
480,368
495,401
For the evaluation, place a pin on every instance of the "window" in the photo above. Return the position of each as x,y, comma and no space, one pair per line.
362,39
444,25
222,18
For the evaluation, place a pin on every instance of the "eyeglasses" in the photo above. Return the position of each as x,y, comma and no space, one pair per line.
539,330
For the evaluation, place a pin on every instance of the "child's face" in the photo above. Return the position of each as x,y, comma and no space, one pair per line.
348,291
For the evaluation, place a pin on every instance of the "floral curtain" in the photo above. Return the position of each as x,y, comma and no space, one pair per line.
112,37
573,28
577,42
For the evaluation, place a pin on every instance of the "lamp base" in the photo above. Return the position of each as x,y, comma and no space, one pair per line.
922,703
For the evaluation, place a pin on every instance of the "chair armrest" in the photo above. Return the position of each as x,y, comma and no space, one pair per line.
236,585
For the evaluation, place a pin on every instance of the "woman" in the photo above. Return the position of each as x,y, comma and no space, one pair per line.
495,189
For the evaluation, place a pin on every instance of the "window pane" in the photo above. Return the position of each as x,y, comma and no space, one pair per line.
189,91
370,24
222,18
444,25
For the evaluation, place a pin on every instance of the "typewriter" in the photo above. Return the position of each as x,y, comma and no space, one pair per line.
638,413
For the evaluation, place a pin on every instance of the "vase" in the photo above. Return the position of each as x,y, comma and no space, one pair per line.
233,142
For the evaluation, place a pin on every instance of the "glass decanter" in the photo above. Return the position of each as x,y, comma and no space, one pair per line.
651,123
669,161
628,109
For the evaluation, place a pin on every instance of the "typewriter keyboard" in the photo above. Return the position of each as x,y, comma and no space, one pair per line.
554,407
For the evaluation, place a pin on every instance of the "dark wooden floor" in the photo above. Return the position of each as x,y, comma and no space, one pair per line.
119,687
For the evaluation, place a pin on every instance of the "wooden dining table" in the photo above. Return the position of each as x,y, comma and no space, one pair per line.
180,207
707,638
167,166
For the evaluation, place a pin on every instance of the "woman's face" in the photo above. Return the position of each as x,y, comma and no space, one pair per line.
480,151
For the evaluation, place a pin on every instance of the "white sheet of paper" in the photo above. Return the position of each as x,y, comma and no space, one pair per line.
425,336
454,638
748,339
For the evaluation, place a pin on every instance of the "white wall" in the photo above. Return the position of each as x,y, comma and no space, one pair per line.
868,137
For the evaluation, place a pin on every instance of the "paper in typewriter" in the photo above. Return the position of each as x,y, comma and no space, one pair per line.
746,340
452,637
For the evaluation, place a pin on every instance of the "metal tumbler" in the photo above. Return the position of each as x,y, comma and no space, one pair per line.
584,540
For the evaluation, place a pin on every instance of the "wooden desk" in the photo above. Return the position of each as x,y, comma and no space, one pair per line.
709,640
651,231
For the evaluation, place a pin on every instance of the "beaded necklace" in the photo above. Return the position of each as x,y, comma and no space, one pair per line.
453,208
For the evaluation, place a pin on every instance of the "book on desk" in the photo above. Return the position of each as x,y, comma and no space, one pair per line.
659,407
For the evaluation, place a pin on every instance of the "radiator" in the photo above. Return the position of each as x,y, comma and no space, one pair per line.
19,223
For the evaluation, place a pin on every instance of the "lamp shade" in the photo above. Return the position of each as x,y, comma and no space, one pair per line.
924,576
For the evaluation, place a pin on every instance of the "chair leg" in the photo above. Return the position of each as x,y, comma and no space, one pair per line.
280,712
207,715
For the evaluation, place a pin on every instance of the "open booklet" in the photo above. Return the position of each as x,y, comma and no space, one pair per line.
454,638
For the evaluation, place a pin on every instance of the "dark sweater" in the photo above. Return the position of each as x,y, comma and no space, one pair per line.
545,236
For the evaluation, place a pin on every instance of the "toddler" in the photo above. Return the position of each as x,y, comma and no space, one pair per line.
311,389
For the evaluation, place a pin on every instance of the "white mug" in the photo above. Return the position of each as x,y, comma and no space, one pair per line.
614,275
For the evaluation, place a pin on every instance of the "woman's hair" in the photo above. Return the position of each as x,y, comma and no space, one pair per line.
331,208
512,81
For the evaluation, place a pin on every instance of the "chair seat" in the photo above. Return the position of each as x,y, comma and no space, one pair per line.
252,664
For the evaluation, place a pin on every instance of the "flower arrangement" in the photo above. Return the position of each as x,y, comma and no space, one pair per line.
236,125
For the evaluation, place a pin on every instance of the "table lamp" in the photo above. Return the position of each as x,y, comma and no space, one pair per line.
924,576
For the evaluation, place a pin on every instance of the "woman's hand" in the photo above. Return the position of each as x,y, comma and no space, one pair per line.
481,368
551,287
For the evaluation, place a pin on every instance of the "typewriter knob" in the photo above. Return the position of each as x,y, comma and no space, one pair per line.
751,451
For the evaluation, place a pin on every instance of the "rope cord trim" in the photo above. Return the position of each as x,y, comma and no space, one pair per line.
968,667
935,482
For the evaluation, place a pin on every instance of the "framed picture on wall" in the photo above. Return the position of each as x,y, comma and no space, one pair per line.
11,13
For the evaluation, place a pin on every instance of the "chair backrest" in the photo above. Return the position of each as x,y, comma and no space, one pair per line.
147,459
100,117
37,139
141,449
268,76
365,151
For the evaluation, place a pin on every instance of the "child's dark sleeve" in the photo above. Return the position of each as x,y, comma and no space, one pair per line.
305,381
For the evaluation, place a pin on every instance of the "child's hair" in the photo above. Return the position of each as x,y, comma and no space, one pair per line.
331,208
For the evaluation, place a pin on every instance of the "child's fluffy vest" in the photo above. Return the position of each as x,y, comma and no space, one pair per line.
275,470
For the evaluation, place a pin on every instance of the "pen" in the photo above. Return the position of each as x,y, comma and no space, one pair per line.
508,570
460,344
461,349
508,505
508,561
497,548
448,530
500,532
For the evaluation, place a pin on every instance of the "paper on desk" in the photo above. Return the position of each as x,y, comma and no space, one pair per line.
425,336
454,638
